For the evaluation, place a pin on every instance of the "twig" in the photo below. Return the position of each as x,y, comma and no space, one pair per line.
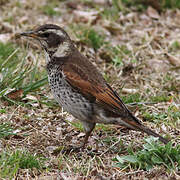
130,173
110,147
141,103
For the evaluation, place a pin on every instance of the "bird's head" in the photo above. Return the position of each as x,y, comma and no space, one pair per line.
52,38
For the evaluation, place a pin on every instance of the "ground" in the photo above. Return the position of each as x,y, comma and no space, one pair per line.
135,47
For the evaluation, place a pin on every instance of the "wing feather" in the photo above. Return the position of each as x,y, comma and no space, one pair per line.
102,92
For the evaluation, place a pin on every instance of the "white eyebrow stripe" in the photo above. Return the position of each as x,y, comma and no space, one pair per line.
56,31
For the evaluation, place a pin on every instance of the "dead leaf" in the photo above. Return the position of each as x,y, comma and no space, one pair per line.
17,94
80,135
100,2
72,5
30,97
112,27
34,100
51,149
173,60
4,38
85,16
154,3
23,20
48,177
152,13
157,65
129,91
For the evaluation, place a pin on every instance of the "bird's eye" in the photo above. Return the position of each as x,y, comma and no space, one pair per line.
46,35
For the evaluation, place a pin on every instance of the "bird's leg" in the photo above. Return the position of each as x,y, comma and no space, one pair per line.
88,127
86,138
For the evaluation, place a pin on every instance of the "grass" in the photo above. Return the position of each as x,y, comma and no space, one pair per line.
6,130
153,154
170,116
2,111
17,74
154,116
170,3
112,13
175,46
118,54
136,97
75,164
160,98
49,8
12,161
8,63
90,37
77,125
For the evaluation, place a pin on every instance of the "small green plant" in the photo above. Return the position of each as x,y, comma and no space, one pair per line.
152,154
132,98
6,130
5,51
107,77
110,140
104,127
160,98
2,111
118,54
11,162
121,50
155,117
175,115
175,46
90,37
49,9
112,12
77,125
95,39
171,116
117,61
170,3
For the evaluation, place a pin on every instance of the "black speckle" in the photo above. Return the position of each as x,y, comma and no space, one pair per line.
67,92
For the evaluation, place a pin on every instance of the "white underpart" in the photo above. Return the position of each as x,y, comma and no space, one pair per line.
62,50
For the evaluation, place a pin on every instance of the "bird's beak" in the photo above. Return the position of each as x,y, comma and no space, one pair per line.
32,34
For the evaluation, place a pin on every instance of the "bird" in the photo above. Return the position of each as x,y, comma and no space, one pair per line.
79,87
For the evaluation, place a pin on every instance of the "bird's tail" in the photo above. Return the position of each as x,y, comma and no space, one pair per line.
132,122
152,133
135,124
